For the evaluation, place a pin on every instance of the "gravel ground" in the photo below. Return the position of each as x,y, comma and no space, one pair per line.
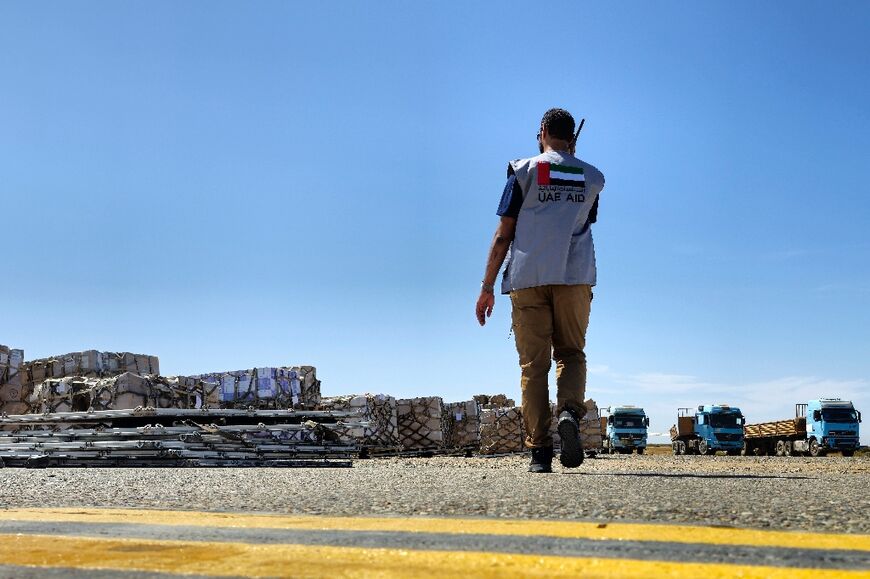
812,494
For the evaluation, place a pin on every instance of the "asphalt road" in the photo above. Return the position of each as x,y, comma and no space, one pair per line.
818,495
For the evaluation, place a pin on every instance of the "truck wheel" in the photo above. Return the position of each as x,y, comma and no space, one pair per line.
702,447
640,451
815,448
789,448
780,448
676,448
848,453
683,447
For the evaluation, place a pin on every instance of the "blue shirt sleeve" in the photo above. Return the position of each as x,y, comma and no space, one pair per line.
511,199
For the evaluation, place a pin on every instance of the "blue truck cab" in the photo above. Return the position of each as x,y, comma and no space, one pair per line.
626,430
832,424
719,427
713,427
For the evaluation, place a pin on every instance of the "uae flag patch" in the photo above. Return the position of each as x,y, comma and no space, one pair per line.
553,174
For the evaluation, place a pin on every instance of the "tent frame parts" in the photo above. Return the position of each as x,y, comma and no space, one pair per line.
220,437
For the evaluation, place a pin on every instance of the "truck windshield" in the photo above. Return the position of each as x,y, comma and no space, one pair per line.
628,421
839,415
729,420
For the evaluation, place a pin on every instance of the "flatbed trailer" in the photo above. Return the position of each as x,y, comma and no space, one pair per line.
791,437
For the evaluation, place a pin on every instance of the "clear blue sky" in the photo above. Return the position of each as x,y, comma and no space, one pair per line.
228,185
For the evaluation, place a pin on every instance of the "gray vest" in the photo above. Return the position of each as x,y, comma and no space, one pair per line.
553,242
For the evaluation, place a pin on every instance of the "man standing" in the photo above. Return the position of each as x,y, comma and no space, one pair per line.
545,233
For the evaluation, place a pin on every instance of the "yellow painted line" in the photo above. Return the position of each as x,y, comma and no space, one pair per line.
244,559
560,529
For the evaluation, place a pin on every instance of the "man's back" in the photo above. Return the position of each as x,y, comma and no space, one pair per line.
553,243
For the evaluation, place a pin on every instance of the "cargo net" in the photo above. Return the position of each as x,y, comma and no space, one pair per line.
590,426
379,425
90,364
294,387
501,431
15,393
461,423
419,422
127,391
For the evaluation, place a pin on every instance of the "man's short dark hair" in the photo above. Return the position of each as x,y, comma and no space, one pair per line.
559,124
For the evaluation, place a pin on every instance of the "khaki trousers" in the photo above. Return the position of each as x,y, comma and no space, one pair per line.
551,320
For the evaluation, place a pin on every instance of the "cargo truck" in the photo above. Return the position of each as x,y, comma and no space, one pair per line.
818,426
713,427
624,428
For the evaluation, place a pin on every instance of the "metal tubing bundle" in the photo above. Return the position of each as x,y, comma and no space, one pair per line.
178,437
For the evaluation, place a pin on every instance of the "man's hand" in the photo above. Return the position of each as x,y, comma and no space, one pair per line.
485,303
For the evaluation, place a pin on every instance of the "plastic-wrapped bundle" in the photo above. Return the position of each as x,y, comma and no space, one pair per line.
132,390
590,427
420,423
378,410
198,394
501,430
91,364
267,388
461,422
124,392
14,391
11,361
70,394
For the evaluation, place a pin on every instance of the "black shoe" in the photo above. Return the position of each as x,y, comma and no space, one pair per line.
569,432
542,460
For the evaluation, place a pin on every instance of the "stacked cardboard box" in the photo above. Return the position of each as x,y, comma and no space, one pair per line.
91,364
267,388
501,430
127,391
590,430
461,422
420,425
379,415
14,391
